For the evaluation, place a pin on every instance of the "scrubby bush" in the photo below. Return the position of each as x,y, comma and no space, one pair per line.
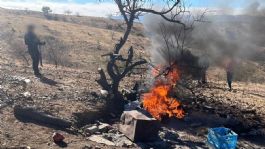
249,72
55,52
17,46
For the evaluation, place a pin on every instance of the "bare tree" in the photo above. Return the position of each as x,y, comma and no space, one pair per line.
131,10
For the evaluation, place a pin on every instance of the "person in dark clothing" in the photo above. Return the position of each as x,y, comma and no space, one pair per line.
33,43
204,64
229,76
230,73
204,75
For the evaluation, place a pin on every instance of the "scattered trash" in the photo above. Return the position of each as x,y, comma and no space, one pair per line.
222,138
97,128
27,81
138,126
91,130
103,127
57,137
27,94
134,105
106,134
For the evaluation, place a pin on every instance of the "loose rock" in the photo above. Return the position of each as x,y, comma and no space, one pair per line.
101,140
27,94
103,127
87,147
91,130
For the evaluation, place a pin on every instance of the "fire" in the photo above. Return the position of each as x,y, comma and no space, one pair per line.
158,103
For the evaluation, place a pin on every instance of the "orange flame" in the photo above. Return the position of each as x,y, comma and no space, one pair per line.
158,103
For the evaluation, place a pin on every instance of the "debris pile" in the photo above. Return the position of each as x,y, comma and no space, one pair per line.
104,133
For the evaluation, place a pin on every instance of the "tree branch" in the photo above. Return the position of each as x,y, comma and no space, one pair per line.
103,80
121,6
129,68
130,57
110,70
157,12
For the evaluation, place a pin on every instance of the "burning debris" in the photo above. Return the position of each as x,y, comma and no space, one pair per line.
157,102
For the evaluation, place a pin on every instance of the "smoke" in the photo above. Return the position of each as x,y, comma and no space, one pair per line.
218,37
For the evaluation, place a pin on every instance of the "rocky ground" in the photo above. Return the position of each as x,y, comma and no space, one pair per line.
71,93
67,91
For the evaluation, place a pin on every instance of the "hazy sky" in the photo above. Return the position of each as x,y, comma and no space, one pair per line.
94,8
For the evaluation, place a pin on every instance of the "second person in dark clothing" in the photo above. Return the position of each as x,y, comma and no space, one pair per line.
33,43
230,73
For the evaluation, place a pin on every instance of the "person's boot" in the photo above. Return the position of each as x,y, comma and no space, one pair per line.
37,74
230,87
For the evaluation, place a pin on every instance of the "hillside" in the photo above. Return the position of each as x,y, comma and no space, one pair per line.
69,90
78,38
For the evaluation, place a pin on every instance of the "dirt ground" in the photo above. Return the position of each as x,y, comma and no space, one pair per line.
66,91
63,92
71,94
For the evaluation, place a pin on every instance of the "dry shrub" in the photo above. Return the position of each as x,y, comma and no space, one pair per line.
19,50
249,72
55,52
17,47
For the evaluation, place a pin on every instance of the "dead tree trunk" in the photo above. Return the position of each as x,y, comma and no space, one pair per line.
116,75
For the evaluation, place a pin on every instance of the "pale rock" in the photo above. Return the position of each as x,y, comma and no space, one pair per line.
27,81
87,147
101,140
104,93
27,94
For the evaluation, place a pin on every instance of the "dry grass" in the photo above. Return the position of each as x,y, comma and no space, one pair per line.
80,38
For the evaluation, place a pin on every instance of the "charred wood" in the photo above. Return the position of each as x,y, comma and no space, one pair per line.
33,115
